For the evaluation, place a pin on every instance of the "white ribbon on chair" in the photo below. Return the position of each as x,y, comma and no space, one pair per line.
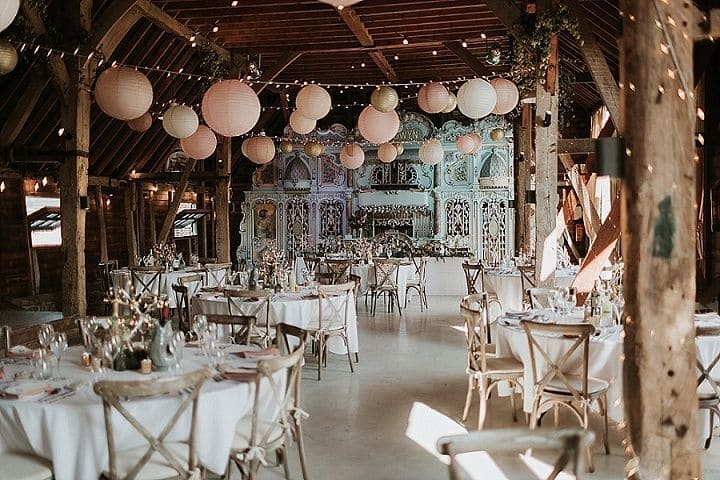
256,453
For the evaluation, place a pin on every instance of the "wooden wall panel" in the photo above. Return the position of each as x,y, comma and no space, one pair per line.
15,279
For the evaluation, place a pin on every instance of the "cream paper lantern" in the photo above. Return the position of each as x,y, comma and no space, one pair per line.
313,148
497,134
231,108
285,146
8,12
431,152
313,102
387,152
180,121
452,103
243,146
400,148
465,144
301,124
507,93
384,99
477,138
476,98
378,127
433,97
201,144
123,93
141,124
260,149
340,4
8,57
352,156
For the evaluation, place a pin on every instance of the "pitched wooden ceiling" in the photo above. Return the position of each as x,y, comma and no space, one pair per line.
334,46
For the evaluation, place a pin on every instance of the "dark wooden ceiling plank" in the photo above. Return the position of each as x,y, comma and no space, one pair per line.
468,58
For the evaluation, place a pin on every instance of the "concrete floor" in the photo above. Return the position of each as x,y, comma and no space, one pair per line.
358,422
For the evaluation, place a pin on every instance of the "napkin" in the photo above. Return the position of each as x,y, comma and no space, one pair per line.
20,351
239,374
268,352
18,392
2,373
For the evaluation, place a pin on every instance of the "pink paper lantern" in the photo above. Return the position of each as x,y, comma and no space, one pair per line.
231,108
352,156
431,152
478,142
465,144
313,102
378,127
387,152
201,144
433,97
260,149
476,98
301,124
141,124
507,93
123,93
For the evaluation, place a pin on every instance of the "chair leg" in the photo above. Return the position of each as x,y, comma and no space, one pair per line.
556,414
606,442
349,355
482,393
397,300
321,349
468,397
591,463
512,402
357,357
710,433
301,450
286,468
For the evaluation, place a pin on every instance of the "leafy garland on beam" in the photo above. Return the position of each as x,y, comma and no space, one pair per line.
212,65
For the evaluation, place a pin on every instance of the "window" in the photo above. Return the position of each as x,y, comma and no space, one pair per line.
44,221
187,230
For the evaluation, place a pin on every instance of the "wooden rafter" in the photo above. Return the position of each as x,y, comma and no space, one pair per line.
468,58
23,109
509,14
271,74
113,25
172,211
356,26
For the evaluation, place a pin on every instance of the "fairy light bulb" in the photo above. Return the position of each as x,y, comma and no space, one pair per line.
2,186
44,181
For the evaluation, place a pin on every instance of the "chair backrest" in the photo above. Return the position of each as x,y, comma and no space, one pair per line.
104,269
706,367
333,304
241,326
311,263
542,297
240,302
340,269
324,278
293,337
570,443
193,282
357,280
217,274
5,345
147,280
387,271
474,277
182,304
474,310
556,369
115,393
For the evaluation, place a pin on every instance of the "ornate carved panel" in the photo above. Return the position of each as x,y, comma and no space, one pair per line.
297,173
458,169
266,176
297,223
494,163
331,218
457,217
332,173
493,212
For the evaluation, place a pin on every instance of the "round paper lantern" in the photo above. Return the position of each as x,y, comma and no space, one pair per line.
231,108
8,57
378,127
260,149
8,12
497,134
387,152
285,146
201,144
400,148
476,98
180,121
340,4
433,97
507,93
431,152
384,99
243,146
465,144
141,124
352,156
123,93
452,103
313,102
300,123
478,141
313,149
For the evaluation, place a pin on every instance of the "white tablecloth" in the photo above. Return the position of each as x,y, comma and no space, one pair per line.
71,432
120,279
288,308
508,286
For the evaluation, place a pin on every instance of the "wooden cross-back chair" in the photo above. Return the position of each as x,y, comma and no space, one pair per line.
571,443
241,326
340,270
264,433
419,283
185,289
217,274
485,370
708,388
527,281
252,304
148,281
556,382
542,297
311,263
104,272
475,283
167,459
387,271
291,336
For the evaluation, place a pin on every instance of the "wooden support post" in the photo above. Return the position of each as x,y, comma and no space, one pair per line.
658,230
590,214
172,211
222,202
526,154
142,238
202,227
153,223
101,223
130,202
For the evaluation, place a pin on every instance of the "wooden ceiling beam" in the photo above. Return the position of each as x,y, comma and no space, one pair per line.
468,58
172,211
384,65
24,107
356,26
509,14
110,29
272,73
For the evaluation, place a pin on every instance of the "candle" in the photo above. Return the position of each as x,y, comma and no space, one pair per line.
145,365
86,359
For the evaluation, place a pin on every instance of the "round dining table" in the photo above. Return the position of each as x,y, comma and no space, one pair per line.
507,285
68,428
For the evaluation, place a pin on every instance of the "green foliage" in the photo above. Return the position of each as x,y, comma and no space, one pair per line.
212,64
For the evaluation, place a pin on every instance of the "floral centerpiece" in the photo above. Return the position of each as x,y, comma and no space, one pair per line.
272,267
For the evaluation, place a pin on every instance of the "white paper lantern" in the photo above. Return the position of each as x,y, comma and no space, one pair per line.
352,156
8,57
231,108
387,152
452,103
465,144
260,149
300,123
180,121
476,98
141,124
507,93
313,102
384,99
433,97
431,152
123,93
478,141
8,12
378,127
201,144
340,4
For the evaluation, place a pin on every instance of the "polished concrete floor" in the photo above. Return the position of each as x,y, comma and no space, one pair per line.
414,363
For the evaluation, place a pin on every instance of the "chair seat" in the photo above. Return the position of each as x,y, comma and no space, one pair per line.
157,468
596,386
20,466
241,441
503,366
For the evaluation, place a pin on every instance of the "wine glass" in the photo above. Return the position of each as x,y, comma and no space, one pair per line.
199,326
58,345
45,334
178,339
42,367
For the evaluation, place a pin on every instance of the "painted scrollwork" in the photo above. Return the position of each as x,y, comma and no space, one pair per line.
331,218
458,168
297,222
457,217
332,174
493,211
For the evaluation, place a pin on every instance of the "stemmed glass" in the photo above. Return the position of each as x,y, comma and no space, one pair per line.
46,332
58,345
111,349
176,346
199,326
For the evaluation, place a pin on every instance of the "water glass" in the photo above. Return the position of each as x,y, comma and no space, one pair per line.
43,369
45,334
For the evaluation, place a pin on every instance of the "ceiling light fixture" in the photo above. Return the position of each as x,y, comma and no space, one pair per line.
405,41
